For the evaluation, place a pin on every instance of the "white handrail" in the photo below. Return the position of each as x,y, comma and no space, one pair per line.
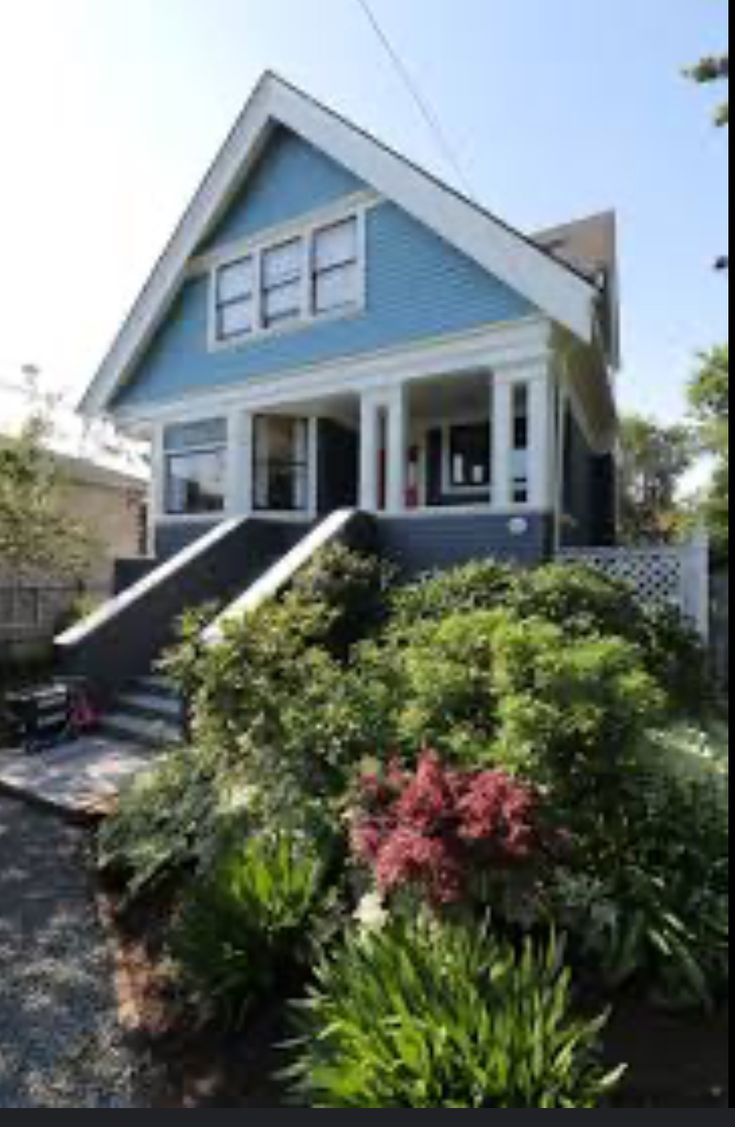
281,573
167,570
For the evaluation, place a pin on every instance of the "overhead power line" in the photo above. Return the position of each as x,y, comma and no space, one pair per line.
426,110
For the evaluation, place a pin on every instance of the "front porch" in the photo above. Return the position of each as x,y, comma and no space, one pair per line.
476,442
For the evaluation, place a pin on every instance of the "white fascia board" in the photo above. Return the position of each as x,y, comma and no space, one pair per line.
551,286
236,158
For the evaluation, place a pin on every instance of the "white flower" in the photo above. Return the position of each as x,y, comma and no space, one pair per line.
372,914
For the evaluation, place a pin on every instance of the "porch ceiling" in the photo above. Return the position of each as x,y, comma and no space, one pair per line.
450,396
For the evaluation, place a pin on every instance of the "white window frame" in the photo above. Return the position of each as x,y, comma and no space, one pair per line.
271,240
165,513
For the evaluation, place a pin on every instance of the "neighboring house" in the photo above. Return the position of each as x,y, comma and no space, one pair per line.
113,506
331,327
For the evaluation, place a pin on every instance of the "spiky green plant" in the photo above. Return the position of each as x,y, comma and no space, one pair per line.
426,1015
245,927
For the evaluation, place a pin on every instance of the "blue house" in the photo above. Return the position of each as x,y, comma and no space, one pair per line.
331,327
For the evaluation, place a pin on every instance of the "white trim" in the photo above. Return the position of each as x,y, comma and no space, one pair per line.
369,449
539,442
504,348
501,393
305,229
397,450
549,284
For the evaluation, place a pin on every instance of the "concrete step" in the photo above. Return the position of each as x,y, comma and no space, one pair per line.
140,730
155,685
151,705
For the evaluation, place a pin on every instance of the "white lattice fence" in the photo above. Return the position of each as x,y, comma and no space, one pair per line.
674,576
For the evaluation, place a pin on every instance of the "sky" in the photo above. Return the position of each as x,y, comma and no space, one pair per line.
111,111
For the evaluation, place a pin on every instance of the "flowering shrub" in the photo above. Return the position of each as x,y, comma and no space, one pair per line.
438,830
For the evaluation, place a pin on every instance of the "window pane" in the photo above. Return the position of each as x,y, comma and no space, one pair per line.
196,482
283,303
191,436
235,319
521,431
235,281
282,263
337,289
470,455
336,245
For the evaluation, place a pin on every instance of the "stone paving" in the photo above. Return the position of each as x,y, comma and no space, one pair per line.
79,778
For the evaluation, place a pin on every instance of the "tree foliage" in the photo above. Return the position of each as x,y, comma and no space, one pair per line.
713,68
655,459
709,396
37,533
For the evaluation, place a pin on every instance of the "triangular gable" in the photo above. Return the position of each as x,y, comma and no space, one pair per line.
552,286
291,179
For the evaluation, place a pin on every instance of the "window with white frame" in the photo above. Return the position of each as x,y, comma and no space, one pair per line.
315,274
521,444
235,299
195,467
336,281
281,285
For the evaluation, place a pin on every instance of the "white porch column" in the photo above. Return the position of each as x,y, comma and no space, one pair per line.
240,464
501,414
158,474
541,476
397,461
369,452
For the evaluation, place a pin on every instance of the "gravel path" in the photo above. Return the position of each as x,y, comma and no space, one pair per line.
60,1045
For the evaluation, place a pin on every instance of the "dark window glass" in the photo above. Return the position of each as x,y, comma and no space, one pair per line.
469,455
195,482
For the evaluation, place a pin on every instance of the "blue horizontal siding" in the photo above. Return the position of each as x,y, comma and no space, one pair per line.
419,287
291,178
433,543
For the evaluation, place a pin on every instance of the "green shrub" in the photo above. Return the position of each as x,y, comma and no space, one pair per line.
165,822
245,926
649,905
353,586
423,1016
572,712
480,585
581,602
489,688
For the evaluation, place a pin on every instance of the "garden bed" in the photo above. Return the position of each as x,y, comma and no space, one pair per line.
675,1060
394,817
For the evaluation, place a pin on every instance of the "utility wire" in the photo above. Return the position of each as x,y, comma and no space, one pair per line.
427,111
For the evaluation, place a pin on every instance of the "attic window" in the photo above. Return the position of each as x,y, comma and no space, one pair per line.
336,267
282,273
281,284
235,299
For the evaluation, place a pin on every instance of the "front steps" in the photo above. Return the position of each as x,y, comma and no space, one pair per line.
147,714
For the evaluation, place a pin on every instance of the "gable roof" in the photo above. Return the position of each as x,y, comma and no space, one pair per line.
590,246
556,286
